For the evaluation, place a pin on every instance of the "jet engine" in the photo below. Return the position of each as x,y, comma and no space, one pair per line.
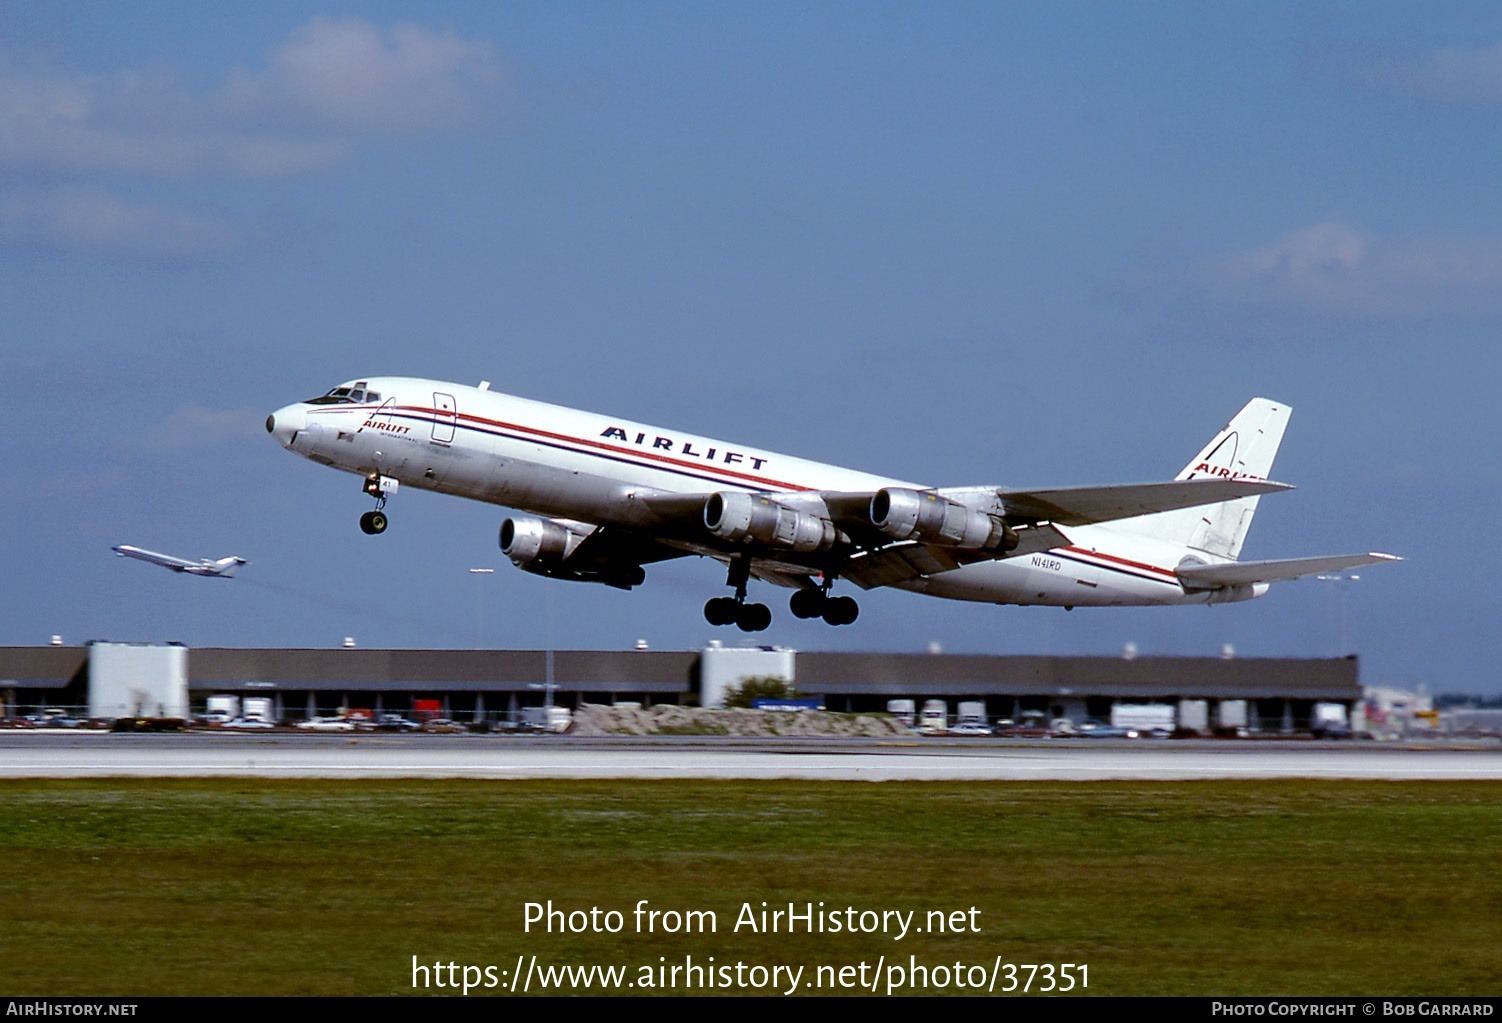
546,547
752,518
929,516
529,541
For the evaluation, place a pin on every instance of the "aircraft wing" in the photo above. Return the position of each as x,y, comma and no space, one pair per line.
1081,506
899,562
1244,573
872,558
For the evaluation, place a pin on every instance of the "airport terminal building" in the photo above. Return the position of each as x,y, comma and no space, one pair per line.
122,679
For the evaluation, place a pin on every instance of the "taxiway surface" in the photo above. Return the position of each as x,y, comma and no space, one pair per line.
284,755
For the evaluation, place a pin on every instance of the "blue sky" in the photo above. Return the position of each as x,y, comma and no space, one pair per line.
1024,244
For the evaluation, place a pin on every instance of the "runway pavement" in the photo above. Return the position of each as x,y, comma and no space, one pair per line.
39,754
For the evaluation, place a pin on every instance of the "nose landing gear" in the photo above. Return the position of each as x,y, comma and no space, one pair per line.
373,523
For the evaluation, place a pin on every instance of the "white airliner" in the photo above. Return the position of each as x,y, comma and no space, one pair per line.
606,496
223,568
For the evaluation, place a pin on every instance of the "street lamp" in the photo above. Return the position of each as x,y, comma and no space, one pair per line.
1344,592
479,573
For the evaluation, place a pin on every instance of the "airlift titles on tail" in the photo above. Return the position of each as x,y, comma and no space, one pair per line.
604,497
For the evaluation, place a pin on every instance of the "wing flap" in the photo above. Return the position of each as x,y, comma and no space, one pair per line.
1245,573
909,559
899,562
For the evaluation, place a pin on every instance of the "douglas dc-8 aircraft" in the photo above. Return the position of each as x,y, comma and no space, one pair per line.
223,568
606,497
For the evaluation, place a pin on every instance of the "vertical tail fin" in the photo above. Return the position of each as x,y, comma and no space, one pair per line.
1244,449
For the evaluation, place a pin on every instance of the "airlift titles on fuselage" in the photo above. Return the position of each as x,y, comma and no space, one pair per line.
603,498
660,443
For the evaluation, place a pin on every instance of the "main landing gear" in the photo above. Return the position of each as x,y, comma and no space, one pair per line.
373,523
819,604
734,610
806,603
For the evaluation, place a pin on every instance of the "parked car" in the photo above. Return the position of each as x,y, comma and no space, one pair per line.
61,721
327,725
442,725
1090,728
247,725
1031,725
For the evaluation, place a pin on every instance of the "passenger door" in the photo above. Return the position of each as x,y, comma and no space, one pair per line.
445,416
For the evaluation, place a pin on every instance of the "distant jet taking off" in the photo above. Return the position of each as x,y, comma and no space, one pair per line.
223,568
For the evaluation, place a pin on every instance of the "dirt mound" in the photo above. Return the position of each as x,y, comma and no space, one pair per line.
669,719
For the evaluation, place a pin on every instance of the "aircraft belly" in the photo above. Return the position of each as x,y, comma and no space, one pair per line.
1045,579
540,489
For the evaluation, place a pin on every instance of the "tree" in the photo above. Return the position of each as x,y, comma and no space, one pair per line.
758,687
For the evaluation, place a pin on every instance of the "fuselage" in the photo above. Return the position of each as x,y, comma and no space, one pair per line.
223,568
595,469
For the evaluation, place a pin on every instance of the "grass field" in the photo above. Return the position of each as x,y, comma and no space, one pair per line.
126,887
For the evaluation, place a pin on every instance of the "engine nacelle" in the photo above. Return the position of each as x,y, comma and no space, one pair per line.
930,517
545,547
530,541
752,518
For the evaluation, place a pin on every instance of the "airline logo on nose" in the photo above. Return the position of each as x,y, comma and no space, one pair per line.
381,424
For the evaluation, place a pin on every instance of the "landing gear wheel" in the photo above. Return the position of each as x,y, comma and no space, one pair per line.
721,611
841,610
753,617
807,604
373,523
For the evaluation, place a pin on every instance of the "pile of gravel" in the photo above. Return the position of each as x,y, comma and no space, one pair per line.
669,719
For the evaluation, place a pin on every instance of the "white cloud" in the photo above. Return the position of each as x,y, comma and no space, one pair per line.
92,220
1461,73
331,85
349,76
1333,269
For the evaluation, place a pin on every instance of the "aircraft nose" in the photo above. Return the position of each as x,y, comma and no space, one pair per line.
284,423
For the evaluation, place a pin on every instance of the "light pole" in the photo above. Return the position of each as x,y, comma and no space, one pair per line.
479,574
1344,592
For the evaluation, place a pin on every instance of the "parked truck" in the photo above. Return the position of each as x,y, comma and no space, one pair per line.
935,718
905,711
221,709
546,719
1329,721
971,719
1157,719
259,708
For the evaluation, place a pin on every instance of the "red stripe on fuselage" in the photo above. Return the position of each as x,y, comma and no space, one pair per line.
431,416
1123,561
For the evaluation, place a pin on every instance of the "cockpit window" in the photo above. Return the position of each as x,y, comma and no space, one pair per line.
356,395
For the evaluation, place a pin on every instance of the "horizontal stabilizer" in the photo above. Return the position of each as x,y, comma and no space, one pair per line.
1081,506
1245,573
